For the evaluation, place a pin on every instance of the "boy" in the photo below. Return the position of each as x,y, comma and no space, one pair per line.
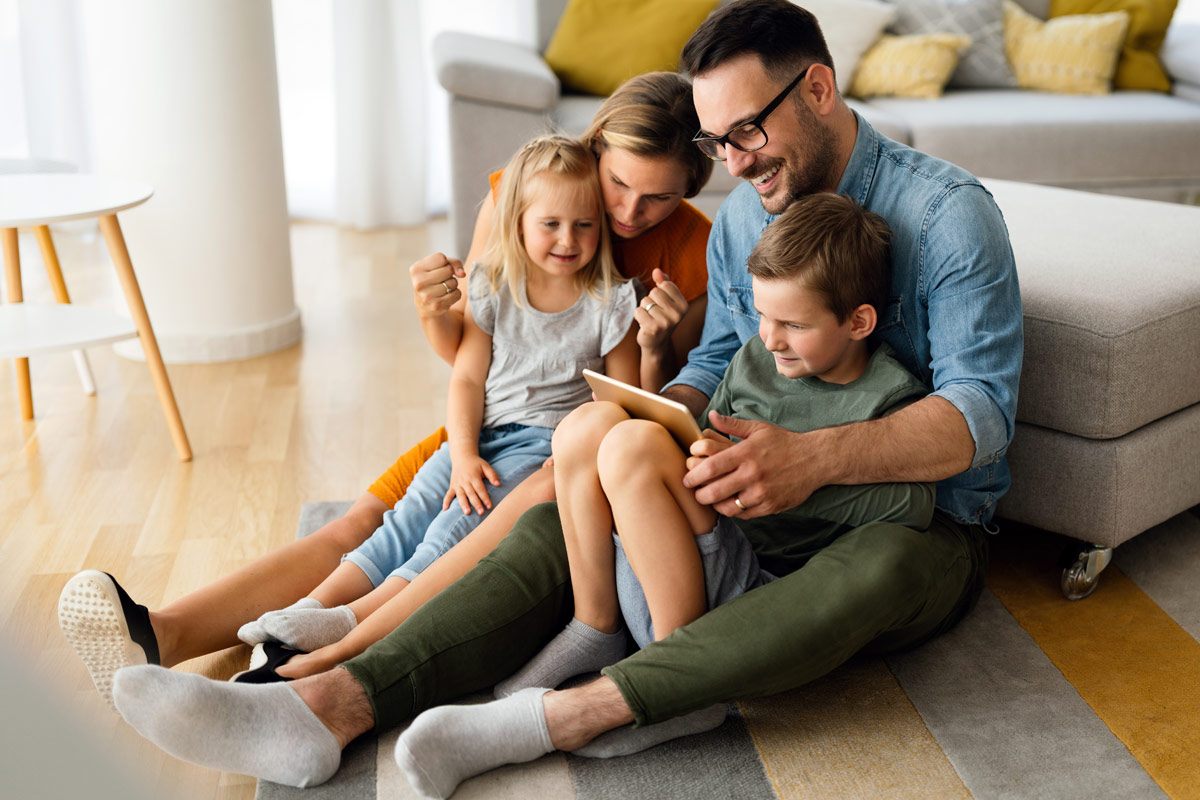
820,272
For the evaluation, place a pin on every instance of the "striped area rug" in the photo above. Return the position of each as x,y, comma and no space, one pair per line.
1031,696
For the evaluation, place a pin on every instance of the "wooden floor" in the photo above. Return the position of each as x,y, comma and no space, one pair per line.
94,482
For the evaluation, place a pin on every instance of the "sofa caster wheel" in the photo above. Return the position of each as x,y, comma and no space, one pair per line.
1082,565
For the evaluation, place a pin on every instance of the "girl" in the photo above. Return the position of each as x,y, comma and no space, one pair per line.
545,302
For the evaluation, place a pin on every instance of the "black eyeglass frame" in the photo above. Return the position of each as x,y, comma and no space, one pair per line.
757,122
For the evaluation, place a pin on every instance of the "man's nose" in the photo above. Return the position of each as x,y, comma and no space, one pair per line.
737,161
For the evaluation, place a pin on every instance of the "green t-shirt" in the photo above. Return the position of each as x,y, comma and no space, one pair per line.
753,389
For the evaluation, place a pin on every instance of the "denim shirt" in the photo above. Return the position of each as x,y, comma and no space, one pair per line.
953,316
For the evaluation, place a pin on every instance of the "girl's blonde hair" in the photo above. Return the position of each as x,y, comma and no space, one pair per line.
652,115
555,157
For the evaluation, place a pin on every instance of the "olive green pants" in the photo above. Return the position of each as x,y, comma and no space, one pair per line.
878,588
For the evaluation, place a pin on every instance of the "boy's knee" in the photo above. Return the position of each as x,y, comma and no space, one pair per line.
580,433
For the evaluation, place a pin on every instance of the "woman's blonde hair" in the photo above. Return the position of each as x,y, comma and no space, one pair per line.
556,157
652,115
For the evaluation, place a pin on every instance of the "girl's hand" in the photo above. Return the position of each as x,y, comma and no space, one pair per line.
710,445
468,482
435,284
659,313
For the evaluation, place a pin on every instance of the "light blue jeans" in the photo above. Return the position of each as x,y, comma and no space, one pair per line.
417,531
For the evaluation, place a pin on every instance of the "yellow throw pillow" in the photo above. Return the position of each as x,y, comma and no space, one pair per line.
1138,67
917,65
600,44
1073,55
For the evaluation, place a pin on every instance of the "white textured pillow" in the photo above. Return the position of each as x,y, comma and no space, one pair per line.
850,28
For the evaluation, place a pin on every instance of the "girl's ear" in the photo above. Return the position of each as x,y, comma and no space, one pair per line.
862,321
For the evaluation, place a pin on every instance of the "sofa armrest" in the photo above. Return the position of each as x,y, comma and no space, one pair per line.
494,71
1180,54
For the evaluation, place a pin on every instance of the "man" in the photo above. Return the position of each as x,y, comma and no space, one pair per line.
769,107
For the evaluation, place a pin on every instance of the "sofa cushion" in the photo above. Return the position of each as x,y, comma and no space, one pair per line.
1075,54
984,64
916,65
1138,67
1111,296
1125,138
850,28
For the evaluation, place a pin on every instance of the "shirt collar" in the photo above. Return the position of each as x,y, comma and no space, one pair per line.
860,169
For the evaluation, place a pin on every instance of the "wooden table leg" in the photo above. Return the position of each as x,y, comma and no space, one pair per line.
137,307
50,258
12,271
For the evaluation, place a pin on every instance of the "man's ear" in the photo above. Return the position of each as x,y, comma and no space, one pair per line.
862,321
822,87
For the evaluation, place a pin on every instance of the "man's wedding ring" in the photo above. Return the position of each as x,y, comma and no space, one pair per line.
446,287
737,501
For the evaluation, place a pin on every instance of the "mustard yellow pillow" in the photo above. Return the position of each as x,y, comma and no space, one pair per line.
1138,67
599,44
1073,55
917,65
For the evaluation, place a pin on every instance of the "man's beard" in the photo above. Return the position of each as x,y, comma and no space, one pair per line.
808,168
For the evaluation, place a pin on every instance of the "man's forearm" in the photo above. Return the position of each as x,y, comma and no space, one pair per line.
926,441
695,400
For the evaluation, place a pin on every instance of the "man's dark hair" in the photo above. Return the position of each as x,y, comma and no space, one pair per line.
784,36
831,245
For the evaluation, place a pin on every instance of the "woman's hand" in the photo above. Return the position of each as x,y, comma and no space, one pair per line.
435,284
469,477
660,311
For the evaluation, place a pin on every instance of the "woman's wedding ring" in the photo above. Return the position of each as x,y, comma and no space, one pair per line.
446,286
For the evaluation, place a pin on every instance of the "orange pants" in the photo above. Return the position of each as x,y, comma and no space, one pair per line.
391,485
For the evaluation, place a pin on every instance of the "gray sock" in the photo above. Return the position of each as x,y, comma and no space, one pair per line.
627,739
261,730
309,629
446,745
577,649
254,632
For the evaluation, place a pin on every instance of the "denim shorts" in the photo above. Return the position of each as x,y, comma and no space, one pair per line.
730,570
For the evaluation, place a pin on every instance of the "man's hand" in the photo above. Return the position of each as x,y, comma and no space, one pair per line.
469,477
435,284
765,472
659,313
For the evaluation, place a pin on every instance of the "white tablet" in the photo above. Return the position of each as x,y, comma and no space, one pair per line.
673,416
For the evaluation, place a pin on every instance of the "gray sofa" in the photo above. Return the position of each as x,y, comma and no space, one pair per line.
1141,144
1108,420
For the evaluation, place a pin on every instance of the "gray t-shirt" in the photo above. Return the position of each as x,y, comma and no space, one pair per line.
536,375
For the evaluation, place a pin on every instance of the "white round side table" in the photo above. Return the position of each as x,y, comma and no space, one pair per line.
26,329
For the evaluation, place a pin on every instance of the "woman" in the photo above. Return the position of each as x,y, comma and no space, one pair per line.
642,140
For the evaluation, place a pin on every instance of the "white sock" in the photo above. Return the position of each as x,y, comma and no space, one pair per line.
262,730
309,629
254,632
627,739
577,649
446,745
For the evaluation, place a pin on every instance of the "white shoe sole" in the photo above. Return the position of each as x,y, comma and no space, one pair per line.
90,614
258,657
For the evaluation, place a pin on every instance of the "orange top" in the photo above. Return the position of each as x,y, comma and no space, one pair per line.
676,245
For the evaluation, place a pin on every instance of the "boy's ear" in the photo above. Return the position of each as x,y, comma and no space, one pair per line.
862,321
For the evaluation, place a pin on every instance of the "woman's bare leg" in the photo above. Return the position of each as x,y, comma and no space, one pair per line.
458,560
207,620
585,512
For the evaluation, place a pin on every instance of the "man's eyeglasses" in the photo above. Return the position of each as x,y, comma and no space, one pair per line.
749,136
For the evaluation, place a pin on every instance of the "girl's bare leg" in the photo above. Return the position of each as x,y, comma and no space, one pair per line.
641,469
207,620
586,516
537,488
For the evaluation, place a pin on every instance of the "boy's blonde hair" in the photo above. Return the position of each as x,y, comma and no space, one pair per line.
833,246
555,157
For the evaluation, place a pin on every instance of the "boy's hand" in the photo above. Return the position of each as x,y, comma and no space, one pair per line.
659,313
710,445
435,284
469,477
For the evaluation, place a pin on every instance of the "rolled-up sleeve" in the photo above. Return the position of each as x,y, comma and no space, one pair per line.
974,305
